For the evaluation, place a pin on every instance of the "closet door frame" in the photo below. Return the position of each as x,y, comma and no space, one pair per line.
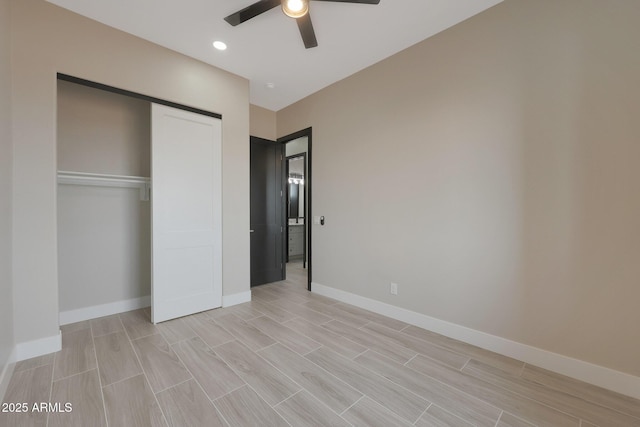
153,100
136,95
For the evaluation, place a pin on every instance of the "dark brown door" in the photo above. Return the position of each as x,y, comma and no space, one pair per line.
267,211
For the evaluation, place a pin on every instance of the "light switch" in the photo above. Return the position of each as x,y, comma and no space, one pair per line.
316,220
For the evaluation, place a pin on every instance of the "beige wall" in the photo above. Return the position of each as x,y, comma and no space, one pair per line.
102,132
6,155
263,123
48,39
492,172
104,242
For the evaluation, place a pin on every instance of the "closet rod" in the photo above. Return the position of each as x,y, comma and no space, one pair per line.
103,180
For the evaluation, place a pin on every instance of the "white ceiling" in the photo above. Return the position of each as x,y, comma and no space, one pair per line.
268,48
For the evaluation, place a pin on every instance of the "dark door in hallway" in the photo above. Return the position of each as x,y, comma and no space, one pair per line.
267,211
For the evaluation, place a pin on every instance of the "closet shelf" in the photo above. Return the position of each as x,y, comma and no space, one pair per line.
103,180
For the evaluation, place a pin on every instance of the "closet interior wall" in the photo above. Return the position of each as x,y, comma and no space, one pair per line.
104,252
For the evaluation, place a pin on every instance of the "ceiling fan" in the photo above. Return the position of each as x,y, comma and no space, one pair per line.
298,9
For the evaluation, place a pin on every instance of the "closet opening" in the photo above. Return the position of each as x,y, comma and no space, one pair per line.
106,218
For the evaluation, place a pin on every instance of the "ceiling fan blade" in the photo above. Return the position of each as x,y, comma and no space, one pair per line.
251,11
306,31
354,1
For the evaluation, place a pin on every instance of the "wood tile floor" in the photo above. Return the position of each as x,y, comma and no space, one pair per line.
293,358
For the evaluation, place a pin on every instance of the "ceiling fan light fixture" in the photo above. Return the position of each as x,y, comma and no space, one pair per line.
295,8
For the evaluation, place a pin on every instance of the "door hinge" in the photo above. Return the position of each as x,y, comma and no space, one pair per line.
281,230
281,193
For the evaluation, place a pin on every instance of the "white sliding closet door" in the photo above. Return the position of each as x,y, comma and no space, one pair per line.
186,214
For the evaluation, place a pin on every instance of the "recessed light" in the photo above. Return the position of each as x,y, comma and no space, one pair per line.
220,45
271,85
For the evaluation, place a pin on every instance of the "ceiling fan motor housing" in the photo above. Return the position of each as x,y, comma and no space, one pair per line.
298,9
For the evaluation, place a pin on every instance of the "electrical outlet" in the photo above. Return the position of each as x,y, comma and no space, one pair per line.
393,289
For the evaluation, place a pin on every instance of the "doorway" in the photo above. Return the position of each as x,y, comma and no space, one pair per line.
297,223
299,208
280,226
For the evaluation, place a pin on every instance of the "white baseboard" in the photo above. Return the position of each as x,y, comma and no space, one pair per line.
39,347
7,371
594,374
235,299
87,313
